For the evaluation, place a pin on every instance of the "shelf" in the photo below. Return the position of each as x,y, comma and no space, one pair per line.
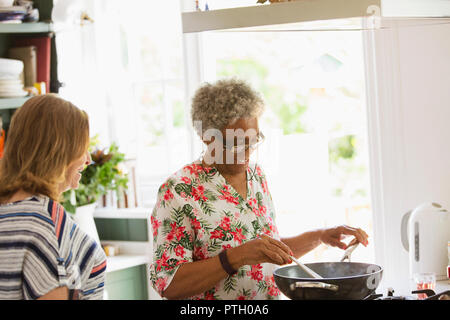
276,14
318,15
12,103
130,213
30,27
124,261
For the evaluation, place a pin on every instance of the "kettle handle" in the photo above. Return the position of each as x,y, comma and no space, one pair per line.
404,230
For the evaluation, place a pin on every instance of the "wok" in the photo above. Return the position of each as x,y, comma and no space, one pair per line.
341,280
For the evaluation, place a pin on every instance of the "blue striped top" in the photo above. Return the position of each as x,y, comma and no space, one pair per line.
41,248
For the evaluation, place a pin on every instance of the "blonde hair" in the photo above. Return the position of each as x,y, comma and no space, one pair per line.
221,103
45,136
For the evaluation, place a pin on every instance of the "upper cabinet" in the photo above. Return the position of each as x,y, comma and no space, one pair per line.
311,15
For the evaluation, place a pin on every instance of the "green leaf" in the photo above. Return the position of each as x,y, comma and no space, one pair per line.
188,211
183,187
259,198
230,284
207,207
210,195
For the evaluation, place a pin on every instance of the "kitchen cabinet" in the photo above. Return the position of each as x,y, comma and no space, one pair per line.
127,284
308,15
127,274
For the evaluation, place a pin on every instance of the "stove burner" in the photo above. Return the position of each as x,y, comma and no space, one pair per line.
431,295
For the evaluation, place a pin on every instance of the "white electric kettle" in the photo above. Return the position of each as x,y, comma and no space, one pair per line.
425,232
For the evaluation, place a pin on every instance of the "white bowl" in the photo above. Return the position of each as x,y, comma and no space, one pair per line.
6,3
11,66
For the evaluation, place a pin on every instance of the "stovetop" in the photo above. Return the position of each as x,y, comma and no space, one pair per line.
426,294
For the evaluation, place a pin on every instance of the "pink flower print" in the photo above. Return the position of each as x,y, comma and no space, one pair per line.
168,195
196,224
194,169
179,233
225,223
273,291
198,193
252,202
217,234
161,284
162,262
259,171
179,251
209,296
226,195
238,236
264,186
171,234
267,232
199,253
262,210
186,180
226,246
255,273
181,262
155,225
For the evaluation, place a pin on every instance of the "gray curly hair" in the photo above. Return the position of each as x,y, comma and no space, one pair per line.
223,102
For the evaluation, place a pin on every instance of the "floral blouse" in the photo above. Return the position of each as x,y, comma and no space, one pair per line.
198,215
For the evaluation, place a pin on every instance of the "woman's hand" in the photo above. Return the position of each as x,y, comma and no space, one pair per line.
333,236
261,250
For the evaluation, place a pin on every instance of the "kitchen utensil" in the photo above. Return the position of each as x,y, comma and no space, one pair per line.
425,232
341,280
348,252
431,295
306,269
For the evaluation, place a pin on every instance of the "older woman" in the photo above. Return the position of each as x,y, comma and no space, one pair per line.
43,253
214,222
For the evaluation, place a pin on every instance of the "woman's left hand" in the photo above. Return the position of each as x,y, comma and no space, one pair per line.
333,236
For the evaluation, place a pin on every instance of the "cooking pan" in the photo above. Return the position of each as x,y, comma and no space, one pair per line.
340,280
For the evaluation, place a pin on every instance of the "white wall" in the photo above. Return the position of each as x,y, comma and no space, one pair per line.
408,95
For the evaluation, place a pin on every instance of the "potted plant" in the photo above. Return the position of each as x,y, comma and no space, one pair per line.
101,176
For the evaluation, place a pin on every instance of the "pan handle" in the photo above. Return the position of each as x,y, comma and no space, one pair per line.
319,285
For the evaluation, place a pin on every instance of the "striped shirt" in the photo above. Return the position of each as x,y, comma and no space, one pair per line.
41,248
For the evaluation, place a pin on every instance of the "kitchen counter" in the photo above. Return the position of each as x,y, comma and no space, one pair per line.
442,285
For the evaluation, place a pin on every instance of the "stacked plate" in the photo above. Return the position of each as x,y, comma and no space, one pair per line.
11,83
13,14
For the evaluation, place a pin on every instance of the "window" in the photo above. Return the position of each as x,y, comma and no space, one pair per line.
129,66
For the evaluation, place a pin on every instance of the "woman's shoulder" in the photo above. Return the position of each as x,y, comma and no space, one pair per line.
28,219
256,170
31,208
185,174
